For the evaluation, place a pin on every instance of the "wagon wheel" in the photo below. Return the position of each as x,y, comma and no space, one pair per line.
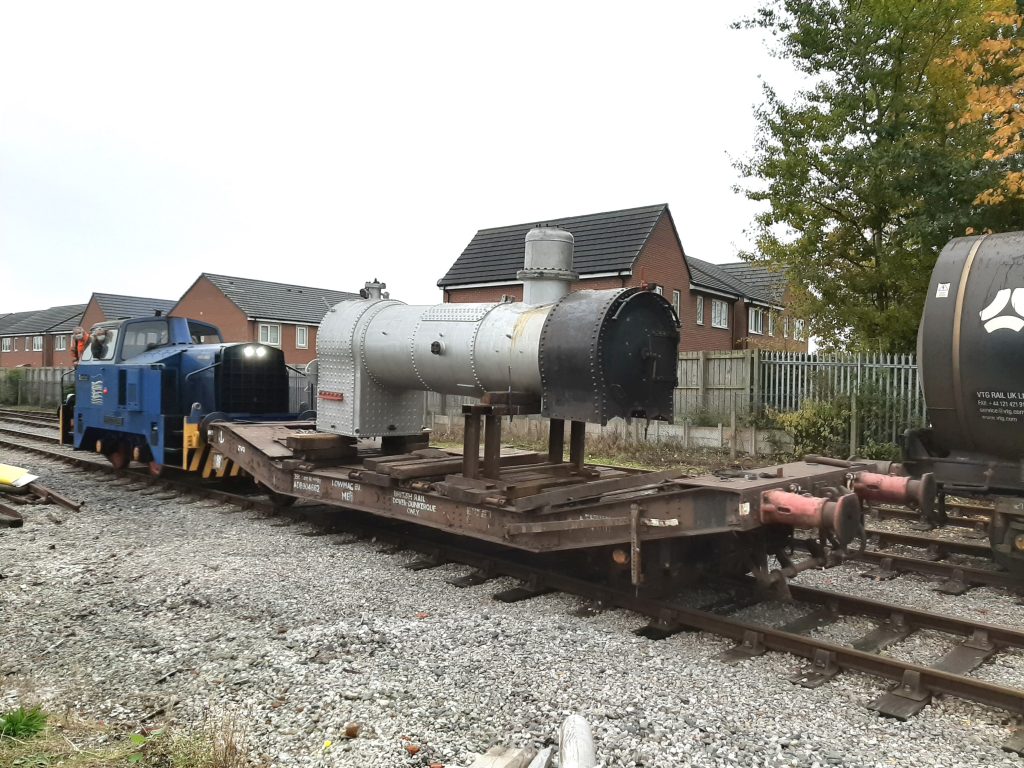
121,456
280,499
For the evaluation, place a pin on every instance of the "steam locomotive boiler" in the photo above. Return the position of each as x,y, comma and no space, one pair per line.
971,358
586,356
576,357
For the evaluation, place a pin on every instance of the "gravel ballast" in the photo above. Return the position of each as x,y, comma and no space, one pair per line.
193,610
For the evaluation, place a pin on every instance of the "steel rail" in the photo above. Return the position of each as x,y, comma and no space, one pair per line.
770,638
28,413
948,546
962,573
19,433
30,422
847,604
182,486
913,515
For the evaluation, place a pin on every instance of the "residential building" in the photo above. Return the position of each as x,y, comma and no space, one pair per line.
38,338
285,316
717,308
112,306
42,338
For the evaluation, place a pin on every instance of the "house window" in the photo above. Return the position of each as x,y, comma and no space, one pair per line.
60,343
301,337
798,330
700,310
270,333
6,345
37,343
771,323
719,314
785,327
28,343
675,302
755,320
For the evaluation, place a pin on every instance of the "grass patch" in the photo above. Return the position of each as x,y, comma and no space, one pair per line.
74,743
22,723
615,450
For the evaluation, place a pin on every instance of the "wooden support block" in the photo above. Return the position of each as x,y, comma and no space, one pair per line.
308,441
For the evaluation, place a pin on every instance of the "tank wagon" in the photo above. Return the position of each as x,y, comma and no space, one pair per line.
145,386
576,357
971,359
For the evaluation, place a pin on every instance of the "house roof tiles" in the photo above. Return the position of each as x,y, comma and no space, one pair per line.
769,283
604,242
53,319
115,306
266,300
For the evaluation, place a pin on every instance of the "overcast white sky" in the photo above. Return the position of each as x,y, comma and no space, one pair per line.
327,144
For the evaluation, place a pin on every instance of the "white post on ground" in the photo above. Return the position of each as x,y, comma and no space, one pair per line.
576,744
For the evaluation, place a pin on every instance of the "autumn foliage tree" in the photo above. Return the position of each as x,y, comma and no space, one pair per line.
995,71
889,153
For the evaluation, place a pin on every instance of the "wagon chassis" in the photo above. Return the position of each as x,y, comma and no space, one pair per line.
527,501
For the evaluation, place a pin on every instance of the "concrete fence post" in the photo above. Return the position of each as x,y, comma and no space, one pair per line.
732,427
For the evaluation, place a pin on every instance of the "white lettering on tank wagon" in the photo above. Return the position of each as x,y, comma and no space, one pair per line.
414,503
347,489
307,483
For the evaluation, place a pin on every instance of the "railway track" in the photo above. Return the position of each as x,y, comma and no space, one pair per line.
40,446
957,578
964,514
6,412
31,418
972,643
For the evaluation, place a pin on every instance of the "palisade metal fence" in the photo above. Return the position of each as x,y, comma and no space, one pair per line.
881,391
884,389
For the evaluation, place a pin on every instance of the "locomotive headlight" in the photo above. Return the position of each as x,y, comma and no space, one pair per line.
261,351
249,351
1018,542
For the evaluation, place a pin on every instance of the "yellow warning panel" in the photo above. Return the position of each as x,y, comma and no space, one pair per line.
15,477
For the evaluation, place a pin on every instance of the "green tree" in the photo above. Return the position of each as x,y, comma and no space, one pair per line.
871,170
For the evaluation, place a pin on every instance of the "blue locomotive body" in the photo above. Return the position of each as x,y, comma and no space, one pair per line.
144,386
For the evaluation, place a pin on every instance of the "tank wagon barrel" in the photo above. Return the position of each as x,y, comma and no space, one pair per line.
971,360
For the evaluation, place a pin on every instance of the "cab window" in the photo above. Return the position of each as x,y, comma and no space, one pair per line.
139,337
101,344
202,333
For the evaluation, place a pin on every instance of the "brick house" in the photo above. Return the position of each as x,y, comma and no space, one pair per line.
286,316
720,307
38,338
781,329
112,306
42,338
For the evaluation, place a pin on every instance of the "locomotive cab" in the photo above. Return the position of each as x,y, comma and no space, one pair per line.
144,385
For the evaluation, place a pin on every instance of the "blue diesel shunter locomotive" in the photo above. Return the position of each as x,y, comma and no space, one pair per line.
145,386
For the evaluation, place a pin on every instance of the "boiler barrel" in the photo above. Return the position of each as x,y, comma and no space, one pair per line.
971,345
589,356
